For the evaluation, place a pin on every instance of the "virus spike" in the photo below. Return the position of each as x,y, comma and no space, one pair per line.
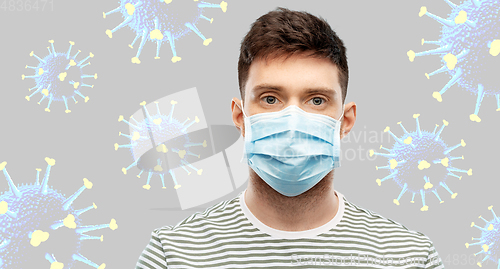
187,145
172,102
372,152
86,58
38,58
28,97
86,98
430,42
379,181
406,132
76,54
222,5
196,119
453,80
435,72
185,169
127,20
173,177
89,237
143,41
66,104
71,43
90,76
480,228
147,186
419,132
120,118
54,263
452,5
453,175
131,45
443,49
175,58
86,185
480,95
206,18
195,30
428,184
424,207
423,11
79,257
453,195
450,149
498,101
50,163
387,129
381,147
38,176
52,45
163,181
4,209
83,229
83,210
124,170
445,123
405,188
469,172
110,12
437,195
156,34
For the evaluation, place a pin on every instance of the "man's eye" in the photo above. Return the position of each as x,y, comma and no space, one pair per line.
317,100
270,99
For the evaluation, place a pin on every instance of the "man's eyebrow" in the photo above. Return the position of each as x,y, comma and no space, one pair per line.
324,90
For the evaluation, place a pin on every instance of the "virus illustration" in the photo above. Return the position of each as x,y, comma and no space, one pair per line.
38,223
59,76
469,47
162,20
153,141
419,162
489,240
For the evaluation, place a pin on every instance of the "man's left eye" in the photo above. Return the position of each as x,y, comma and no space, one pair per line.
317,100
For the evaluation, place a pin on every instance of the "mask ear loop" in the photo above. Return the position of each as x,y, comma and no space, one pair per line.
342,115
244,158
243,109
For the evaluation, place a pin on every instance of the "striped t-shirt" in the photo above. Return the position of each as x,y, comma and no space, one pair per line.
228,235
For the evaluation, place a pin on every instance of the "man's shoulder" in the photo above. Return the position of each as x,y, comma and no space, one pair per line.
219,215
379,226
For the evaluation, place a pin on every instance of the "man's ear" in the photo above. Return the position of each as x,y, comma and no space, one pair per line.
349,119
237,115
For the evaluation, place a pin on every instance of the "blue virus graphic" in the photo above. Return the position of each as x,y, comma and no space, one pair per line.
162,20
469,46
150,141
489,240
38,224
420,162
59,76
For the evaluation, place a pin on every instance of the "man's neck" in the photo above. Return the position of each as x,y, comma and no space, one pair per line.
309,210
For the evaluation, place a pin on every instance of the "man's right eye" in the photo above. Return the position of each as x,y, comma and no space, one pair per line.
270,99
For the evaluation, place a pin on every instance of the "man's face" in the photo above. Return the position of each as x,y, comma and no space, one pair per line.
307,82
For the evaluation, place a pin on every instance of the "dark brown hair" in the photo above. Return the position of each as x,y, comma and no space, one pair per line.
284,32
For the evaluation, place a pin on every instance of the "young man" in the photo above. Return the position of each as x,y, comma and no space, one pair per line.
293,78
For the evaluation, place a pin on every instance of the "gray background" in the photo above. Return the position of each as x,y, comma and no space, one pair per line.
386,87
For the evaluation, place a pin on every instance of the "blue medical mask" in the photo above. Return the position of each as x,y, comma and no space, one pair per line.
291,150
